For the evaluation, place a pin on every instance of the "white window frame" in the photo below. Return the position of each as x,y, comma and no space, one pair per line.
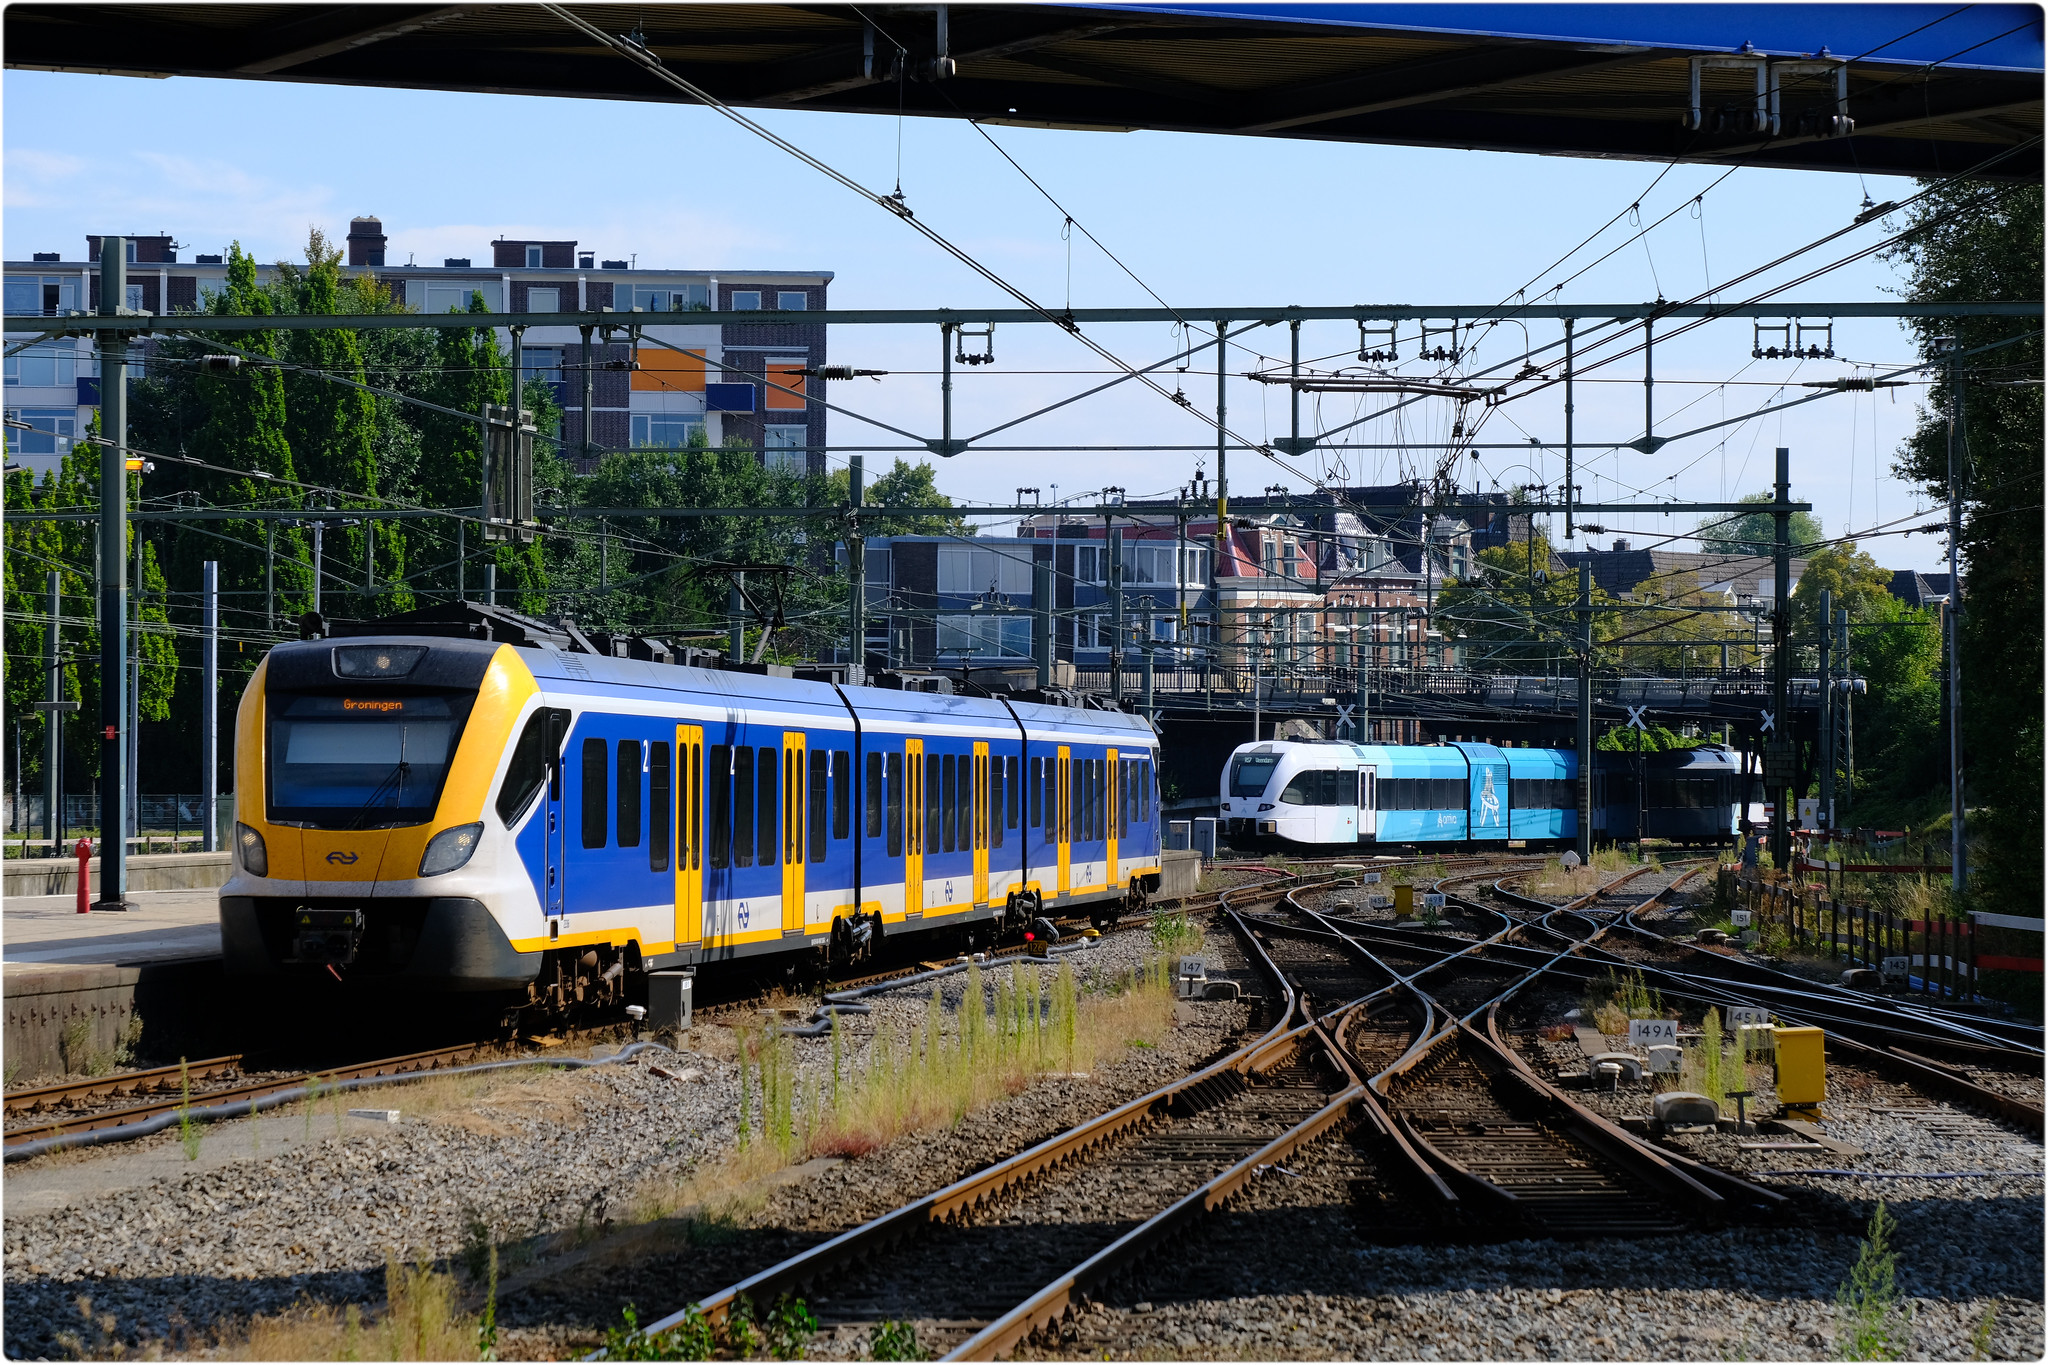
777,453
1091,563
984,636
792,301
533,254
544,299
63,361
643,424
62,429
493,301
740,297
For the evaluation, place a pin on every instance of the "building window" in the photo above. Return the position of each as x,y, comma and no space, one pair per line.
970,572
51,430
667,430
746,300
792,301
134,292
533,258
1091,564
1270,551
544,300
786,448
672,298
446,298
1091,631
44,367
543,363
48,295
980,636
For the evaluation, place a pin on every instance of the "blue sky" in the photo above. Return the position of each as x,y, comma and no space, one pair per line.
1201,221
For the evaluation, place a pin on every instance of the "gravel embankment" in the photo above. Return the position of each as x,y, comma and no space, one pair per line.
277,1210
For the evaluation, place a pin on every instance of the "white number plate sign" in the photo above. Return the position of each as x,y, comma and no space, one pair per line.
1746,1016
1740,919
1649,1032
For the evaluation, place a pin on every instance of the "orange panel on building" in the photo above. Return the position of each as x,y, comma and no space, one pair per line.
790,377
665,371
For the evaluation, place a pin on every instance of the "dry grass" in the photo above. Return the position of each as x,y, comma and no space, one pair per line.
933,1074
420,1321
1554,880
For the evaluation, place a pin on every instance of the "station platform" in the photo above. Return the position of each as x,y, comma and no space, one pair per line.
82,989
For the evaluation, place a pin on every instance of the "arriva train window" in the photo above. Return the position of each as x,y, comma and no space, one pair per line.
1250,774
629,793
1302,790
595,780
821,781
873,796
661,805
895,816
743,807
766,825
995,802
718,805
842,793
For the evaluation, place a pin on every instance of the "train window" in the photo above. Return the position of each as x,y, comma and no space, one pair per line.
895,814
527,770
995,802
1096,787
743,806
1302,790
629,793
1250,774
765,793
1347,787
821,802
595,779
842,793
660,805
948,789
1013,800
934,788
718,802
1035,814
1145,792
873,796
693,826
1076,812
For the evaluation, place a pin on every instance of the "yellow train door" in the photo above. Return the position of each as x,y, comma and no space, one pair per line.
981,824
689,815
1113,792
1063,797
792,830
913,828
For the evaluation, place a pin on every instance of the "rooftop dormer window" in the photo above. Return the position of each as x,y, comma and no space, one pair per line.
532,257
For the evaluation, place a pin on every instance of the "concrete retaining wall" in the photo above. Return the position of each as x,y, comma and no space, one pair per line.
146,872
65,1020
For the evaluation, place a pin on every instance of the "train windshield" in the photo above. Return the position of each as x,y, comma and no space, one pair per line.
376,761
1251,773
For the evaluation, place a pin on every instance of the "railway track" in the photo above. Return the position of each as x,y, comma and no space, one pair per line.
985,1262
151,1080
410,1064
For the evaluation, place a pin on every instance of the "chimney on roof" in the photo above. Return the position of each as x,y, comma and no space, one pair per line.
1621,547
365,242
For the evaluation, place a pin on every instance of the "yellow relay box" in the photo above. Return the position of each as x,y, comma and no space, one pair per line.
1802,1067
1404,900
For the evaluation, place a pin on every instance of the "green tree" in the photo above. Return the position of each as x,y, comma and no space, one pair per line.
1971,241
1856,580
1756,533
905,485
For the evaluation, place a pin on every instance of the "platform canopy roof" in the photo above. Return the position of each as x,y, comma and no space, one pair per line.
1932,88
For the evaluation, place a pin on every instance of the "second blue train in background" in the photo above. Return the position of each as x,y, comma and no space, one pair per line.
1330,794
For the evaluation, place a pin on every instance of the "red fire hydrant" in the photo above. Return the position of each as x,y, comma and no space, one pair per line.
84,851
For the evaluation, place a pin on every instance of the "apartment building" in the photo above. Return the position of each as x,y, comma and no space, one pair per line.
669,383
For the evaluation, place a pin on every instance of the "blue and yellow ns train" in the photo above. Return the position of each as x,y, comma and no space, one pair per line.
538,818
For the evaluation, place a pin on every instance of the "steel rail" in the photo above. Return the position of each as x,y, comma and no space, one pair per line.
1077,1143
408,1065
65,1093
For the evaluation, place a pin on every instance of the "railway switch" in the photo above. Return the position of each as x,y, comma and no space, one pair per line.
1665,1060
1802,1069
1684,1111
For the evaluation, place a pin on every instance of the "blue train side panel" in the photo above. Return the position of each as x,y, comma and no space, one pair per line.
1438,822
1487,798
1547,773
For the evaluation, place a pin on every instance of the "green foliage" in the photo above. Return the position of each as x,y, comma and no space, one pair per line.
692,1339
894,1341
1871,1314
1975,241
1176,933
1654,740
789,1327
1756,533
188,1131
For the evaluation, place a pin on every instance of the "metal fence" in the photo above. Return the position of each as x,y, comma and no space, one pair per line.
176,820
